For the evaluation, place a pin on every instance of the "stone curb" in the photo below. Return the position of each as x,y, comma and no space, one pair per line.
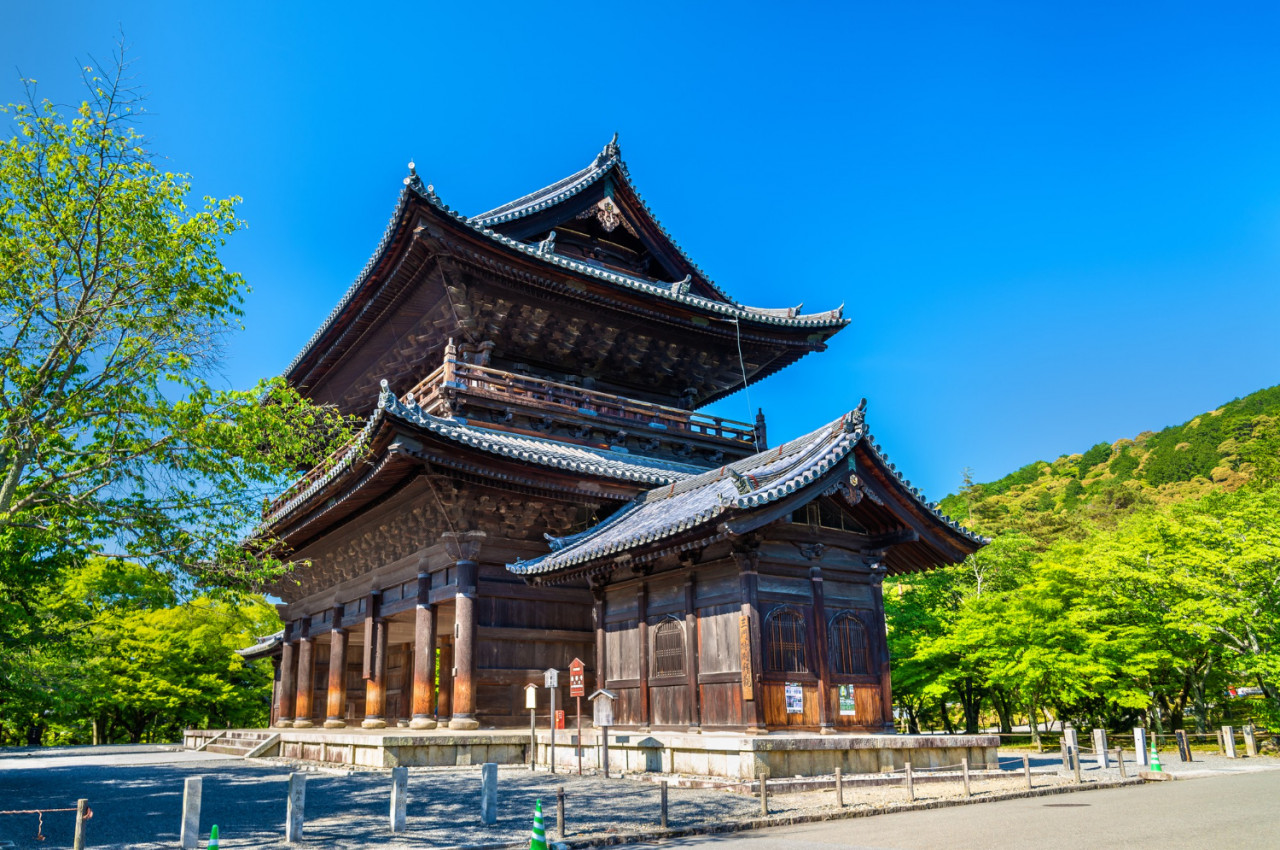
793,820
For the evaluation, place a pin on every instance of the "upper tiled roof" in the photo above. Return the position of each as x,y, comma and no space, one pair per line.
747,484
557,192
608,160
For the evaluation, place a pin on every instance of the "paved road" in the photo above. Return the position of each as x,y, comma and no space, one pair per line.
1221,811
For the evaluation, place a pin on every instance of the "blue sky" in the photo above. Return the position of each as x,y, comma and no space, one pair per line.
1051,224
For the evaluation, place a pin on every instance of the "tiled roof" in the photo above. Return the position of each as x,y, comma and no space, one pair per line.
747,484
608,159
673,291
266,645
544,452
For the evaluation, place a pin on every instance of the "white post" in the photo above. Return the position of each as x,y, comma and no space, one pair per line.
297,802
1142,753
1250,742
1100,748
552,757
489,794
1229,741
192,790
399,797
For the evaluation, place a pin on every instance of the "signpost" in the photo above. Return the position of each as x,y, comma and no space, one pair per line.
578,689
531,703
551,679
602,702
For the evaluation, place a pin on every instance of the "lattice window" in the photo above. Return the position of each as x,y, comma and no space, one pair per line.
784,642
668,649
848,645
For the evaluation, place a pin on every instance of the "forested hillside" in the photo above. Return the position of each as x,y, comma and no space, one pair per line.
1135,582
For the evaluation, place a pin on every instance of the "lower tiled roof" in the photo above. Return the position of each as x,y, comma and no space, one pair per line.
667,511
544,452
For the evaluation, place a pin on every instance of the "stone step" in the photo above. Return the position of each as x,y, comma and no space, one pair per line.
230,748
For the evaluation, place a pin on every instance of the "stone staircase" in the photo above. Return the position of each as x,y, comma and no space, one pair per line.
240,742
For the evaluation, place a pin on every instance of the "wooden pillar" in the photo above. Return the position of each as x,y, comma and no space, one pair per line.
306,678
597,620
878,572
275,696
464,548
424,655
821,653
336,710
747,555
444,698
288,679
375,664
691,652
642,608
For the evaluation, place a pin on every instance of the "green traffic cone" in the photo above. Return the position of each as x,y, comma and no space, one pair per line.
1155,761
539,840
213,838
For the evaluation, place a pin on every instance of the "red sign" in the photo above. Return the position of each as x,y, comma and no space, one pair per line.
577,678
559,718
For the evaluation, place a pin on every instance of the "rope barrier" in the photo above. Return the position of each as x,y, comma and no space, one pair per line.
40,813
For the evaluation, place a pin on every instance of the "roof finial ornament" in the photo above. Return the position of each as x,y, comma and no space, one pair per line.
681,287
548,245
610,151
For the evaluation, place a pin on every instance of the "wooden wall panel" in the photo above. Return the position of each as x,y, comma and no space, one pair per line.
626,708
775,706
717,581
866,705
718,650
669,704
622,650
785,588
721,704
844,594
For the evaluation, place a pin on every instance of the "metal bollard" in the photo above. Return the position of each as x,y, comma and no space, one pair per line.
192,790
1120,762
910,782
296,806
560,812
82,814
662,818
964,767
1026,770
839,789
764,795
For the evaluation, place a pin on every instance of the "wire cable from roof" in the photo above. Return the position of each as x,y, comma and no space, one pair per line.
742,364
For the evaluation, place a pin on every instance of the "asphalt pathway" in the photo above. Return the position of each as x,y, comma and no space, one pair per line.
1238,810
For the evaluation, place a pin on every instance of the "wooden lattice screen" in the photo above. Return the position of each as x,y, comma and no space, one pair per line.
848,645
784,643
668,649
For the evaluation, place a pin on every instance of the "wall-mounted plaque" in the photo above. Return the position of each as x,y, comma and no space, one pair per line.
744,644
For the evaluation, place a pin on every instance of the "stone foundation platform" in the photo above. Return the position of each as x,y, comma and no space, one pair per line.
720,754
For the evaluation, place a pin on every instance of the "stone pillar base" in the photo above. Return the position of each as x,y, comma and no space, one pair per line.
464,723
826,730
695,730
335,723
373,723
284,724
757,730
422,723
302,724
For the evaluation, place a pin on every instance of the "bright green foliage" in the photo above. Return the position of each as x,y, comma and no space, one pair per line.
127,657
114,304
116,439
1124,599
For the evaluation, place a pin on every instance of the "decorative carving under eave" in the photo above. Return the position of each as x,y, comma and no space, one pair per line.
464,545
811,551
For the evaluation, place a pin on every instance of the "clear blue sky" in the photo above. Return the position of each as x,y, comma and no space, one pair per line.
1050,226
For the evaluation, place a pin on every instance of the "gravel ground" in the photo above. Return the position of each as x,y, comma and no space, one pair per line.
138,804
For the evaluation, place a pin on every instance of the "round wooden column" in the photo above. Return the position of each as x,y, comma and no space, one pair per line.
375,667
464,659
288,679
878,573
335,712
306,679
424,657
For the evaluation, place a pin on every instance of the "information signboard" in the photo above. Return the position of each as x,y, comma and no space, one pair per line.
577,678
795,698
848,708
551,678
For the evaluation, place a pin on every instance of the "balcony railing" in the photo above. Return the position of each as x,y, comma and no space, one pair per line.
510,388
